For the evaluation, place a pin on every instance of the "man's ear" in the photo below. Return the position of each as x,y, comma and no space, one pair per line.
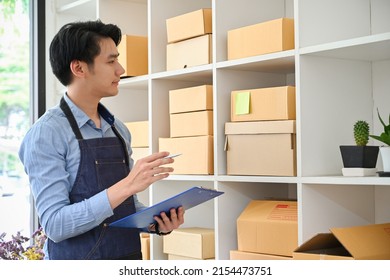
78,68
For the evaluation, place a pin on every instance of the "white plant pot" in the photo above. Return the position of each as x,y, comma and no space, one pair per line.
385,154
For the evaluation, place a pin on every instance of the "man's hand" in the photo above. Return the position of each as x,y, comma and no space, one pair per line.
167,224
145,172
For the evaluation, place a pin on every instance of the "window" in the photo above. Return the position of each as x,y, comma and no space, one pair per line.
19,88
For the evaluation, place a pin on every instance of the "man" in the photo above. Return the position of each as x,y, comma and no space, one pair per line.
77,154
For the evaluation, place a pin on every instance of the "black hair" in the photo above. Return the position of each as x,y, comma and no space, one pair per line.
79,41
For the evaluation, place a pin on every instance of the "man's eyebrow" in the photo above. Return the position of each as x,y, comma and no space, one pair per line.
113,55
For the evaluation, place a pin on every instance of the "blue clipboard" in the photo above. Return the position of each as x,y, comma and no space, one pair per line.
188,199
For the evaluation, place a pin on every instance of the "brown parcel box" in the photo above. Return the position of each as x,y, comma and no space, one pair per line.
194,242
274,103
139,133
139,152
133,55
178,257
190,52
197,154
262,38
370,242
268,227
191,124
241,255
189,25
191,99
145,245
261,148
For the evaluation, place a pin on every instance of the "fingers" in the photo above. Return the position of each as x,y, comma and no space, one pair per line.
162,156
166,223
150,169
154,160
155,156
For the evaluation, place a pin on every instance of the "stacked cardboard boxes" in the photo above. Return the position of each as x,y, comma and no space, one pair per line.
260,139
193,243
133,56
191,130
267,230
189,39
139,138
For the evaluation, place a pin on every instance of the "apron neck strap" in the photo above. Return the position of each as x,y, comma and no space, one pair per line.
72,121
107,116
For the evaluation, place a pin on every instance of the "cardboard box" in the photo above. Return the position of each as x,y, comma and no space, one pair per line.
189,25
139,133
268,227
188,53
133,56
201,99
241,255
191,124
177,257
261,148
262,38
274,103
145,246
194,242
139,153
197,161
370,242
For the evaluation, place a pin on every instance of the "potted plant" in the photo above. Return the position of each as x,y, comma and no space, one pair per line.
384,137
360,155
15,249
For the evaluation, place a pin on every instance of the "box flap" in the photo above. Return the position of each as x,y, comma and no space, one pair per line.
366,242
261,127
325,244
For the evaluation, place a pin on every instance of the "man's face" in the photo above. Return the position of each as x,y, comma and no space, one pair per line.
104,74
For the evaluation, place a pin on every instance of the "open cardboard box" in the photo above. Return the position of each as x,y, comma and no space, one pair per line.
371,242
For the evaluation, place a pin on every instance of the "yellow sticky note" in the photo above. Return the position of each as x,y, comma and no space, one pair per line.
242,100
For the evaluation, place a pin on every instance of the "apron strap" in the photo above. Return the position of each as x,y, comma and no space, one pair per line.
111,121
72,121
107,116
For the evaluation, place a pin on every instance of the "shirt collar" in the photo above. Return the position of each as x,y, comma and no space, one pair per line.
81,117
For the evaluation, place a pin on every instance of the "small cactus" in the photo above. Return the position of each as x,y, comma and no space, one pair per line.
361,133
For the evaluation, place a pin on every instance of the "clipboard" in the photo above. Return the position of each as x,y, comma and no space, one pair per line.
188,199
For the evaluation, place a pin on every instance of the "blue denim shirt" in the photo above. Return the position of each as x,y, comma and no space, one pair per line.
50,155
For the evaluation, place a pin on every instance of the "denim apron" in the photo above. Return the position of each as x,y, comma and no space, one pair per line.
103,162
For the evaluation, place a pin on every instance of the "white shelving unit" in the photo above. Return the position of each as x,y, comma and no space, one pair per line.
340,67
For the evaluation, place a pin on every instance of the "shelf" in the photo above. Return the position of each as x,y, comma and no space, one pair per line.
280,62
335,61
368,48
139,83
200,73
77,7
341,180
257,179
192,178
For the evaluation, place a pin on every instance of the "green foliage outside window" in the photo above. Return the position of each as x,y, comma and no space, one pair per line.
14,78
